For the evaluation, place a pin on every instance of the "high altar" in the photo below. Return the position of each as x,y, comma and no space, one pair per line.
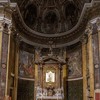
50,82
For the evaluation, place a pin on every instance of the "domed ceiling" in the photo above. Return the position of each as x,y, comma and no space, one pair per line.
59,21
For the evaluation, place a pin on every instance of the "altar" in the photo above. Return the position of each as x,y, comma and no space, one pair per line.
49,98
43,95
49,85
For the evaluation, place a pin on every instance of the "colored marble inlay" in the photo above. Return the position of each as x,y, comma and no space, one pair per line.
97,96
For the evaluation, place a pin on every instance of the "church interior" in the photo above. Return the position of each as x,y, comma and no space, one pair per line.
49,49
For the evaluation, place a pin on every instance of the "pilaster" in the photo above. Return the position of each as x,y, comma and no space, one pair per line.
8,31
4,55
90,64
5,32
17,43
97,67
84,66
1,32
65,77
98,29
37,55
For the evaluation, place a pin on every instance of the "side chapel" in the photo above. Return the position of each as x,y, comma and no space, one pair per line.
49,49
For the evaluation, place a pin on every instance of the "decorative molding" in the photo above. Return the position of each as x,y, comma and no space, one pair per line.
97,91
75,79
4,1
26,79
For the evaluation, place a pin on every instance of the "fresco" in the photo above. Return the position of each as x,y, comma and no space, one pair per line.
26,64
75,64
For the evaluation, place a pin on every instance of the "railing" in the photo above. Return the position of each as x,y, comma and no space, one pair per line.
43,94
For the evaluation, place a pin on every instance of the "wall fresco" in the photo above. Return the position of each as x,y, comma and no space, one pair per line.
26,64
75,64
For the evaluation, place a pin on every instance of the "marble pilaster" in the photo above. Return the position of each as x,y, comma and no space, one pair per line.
17,44
84,66
90,63
98,67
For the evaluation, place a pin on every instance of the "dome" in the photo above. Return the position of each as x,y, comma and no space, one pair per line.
60,21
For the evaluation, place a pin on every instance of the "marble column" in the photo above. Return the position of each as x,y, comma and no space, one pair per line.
17,44
98,67
1,33
37,54
65,77
90,63
84,65
7,88
60,76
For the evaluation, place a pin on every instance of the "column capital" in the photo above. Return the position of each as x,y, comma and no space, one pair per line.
5,25
96,21
89,28
98,24
84,39
7,28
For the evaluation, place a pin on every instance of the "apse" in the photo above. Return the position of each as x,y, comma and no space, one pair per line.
49,49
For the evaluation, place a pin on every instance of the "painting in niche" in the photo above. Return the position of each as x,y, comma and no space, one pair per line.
26,65
50,76
75,64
